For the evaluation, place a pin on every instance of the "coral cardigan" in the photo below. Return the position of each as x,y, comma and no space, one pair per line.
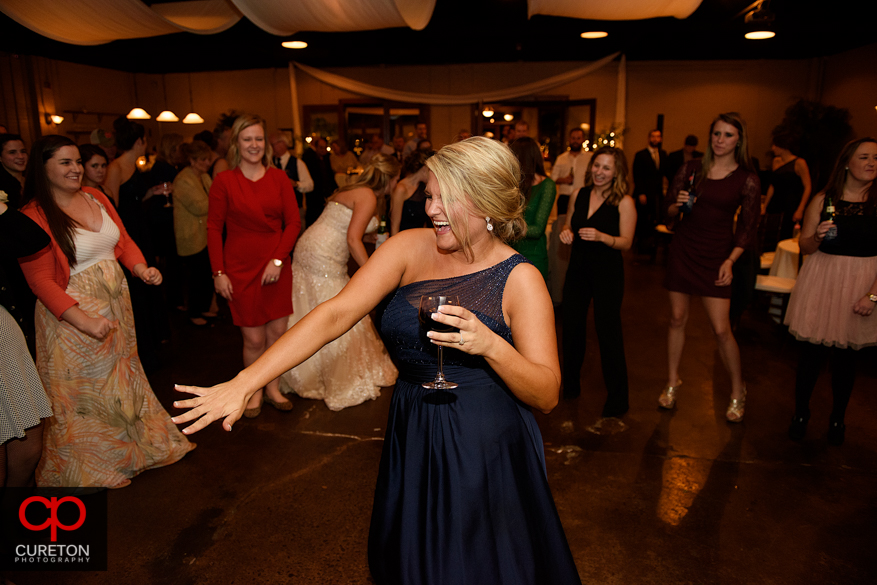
48,271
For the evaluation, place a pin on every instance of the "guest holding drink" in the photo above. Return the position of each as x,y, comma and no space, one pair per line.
831,311
107,426
539,194
706,245
354,367
600,224
440,514
254,202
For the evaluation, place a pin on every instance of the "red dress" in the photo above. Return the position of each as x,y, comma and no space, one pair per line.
704,239
262,222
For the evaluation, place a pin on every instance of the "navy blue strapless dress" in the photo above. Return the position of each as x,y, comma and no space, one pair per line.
462,495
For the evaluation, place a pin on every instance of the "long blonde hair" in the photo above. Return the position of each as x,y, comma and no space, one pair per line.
243,122
376,176
480,176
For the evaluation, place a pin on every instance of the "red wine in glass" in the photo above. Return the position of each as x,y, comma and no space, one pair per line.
428,306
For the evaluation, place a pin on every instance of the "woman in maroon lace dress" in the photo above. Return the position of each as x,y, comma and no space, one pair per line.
706,245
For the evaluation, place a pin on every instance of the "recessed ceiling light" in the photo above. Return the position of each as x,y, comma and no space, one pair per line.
758,35
595,34
294,44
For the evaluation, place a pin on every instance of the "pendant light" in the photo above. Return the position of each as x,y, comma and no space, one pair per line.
137,113
192,117
166,115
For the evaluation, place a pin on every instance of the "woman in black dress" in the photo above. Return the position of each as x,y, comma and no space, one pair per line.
706,245
600,224
831,311
408,201
788,193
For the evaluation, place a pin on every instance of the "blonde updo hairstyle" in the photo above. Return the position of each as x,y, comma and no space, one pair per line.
481,177
381,170
243,122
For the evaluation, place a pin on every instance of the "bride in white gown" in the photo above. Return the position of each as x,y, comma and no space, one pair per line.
354,367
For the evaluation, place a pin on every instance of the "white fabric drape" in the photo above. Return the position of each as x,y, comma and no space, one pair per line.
285,17
93,22
615,10
508,93
621,98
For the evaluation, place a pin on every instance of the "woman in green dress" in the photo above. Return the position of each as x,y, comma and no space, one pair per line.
539,193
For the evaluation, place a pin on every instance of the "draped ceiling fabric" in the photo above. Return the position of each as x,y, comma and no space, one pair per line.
615,10
508,93
94,22
285,17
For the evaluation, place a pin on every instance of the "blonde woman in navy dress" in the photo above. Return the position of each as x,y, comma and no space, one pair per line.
462,495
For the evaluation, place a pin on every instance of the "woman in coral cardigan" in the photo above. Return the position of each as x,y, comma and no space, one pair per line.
108,426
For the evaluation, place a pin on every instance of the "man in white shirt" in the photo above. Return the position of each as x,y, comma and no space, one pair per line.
376,145
421,134
569,173
294,168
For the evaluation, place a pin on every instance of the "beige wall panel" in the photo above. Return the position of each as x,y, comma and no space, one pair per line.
851,82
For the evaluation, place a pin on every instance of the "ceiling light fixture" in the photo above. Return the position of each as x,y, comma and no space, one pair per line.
137,113
54,119
487,112
192,117
508,117
167,116
294,44
759,21
595,34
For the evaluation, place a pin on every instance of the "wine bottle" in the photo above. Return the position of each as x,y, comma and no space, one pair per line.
382,232
828,215
689,205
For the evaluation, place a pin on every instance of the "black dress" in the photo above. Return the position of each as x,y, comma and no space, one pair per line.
462,496
787,192
414,210
596,272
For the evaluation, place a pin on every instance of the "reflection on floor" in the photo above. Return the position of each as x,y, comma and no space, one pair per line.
677,496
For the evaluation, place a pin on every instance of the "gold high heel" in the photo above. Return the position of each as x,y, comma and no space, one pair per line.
737,407
667,399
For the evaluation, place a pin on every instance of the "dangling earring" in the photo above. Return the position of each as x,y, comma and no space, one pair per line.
489,225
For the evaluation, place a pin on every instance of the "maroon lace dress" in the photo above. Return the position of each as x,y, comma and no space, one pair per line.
705,236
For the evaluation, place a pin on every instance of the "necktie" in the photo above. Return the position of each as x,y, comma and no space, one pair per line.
277,162
657,158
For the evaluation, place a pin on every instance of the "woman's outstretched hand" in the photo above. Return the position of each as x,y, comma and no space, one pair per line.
227,400
477,338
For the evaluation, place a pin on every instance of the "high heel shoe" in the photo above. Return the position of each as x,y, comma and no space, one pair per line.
284,406
667,399
798,427
836,432
736,408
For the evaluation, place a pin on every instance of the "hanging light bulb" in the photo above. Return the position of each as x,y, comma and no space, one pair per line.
167,116
138,114
193,118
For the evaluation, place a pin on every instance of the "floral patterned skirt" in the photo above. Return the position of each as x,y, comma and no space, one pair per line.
107,426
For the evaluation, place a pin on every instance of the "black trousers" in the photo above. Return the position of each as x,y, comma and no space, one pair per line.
200,282
607,293
843,375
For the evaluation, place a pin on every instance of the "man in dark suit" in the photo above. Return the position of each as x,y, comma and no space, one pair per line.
294,168
648,181
677,158
319,166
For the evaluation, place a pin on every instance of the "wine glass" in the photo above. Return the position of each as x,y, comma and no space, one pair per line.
429,305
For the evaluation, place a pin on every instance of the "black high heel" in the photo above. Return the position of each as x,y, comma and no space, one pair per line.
836,432
798,427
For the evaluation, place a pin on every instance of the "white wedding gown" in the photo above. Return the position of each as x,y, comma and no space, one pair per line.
354,367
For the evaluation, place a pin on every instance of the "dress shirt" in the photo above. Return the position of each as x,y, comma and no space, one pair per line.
565,161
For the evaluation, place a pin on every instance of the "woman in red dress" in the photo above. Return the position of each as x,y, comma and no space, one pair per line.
256,205
707,244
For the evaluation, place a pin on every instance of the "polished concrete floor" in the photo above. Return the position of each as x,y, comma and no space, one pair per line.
677,497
